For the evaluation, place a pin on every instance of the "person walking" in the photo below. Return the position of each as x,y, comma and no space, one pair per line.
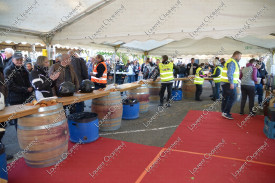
248,78
131,72
191,67
262,73
229,80
217,80
199,79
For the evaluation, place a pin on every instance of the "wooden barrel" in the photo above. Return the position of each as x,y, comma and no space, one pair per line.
44,136
142,95
109,111
154,89
188,89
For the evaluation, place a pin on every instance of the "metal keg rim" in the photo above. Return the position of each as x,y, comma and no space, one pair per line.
45,114
50,108
42,127
139,93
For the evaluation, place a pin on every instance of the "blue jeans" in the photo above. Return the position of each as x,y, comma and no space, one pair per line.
229,97
259,90
180,76
131,78
217,91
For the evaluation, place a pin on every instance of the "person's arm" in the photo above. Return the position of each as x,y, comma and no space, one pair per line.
218,72
254,74
230,72
241,75
40,84
75,81
9,75
100,70
156,74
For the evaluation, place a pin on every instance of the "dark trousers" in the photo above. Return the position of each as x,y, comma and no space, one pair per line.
229,97
217,91
136,77
162,90
198,91
79,107
247,91
259,90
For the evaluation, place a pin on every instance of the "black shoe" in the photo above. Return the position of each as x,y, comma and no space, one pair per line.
198,99
241,113
213,99
211,96
161,104
9,157
168,105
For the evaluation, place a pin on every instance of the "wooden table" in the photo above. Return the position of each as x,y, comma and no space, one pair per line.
17,111
128,86
80,97
191,78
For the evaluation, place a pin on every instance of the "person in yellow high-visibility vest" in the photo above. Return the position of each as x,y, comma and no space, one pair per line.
167,79
199,79
217,80
229,81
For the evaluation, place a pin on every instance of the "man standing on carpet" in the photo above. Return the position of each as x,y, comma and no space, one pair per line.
167,79
229,82
99,76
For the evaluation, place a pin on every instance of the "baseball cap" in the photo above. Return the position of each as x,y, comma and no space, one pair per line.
17,56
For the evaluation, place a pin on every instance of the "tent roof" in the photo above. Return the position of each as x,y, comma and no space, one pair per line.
138,24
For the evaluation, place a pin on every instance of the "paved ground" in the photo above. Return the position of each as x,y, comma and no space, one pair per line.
156,133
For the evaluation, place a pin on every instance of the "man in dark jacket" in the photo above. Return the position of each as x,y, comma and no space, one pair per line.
191,67
79,66
17,79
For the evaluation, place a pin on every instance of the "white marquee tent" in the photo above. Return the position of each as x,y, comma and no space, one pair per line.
156,26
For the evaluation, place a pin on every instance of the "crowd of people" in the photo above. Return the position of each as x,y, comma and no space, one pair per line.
19,78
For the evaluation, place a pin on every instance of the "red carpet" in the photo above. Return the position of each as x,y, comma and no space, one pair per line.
185,151
126,166
175,168
239,143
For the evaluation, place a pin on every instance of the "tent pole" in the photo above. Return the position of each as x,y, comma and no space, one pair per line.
116,48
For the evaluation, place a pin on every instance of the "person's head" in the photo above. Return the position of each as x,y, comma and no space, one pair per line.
128,61
17,59
157,61
215,63
132,63
253,62
259,64
164,58
29,66
192,60
99,58
261,59
58,59
65,59
202,65
9,52
237,55
42,61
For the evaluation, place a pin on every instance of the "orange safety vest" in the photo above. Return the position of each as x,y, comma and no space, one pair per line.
103,78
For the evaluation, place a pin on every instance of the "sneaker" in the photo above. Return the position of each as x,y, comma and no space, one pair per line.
260,107
198,99
168,105
241,113
228,116
161,104
211,95
223,114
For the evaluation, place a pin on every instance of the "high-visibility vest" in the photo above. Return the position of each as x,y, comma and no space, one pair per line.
236,75
198,80
103,79
217,79
166,71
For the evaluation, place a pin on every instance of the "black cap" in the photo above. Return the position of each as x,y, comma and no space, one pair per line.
17,56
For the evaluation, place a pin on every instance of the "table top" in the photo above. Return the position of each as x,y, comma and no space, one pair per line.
127,86
80,97
17,111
